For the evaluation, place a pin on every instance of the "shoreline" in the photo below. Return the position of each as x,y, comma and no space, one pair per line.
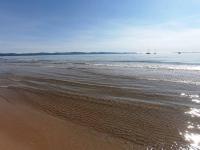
142,125
111,116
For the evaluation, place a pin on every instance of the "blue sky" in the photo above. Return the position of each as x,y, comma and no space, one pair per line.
99,25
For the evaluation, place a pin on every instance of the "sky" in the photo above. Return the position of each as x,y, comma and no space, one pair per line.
99,25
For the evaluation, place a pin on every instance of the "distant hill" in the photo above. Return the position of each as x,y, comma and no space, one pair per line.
59,53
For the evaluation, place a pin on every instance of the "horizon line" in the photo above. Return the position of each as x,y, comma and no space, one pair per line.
82,53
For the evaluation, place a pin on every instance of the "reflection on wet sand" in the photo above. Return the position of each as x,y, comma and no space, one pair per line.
194,112
192,133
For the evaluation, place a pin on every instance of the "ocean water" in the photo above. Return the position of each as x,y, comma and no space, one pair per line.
172,67
168,58
173,76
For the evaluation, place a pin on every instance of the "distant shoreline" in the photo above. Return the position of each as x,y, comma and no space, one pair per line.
78,53
61,53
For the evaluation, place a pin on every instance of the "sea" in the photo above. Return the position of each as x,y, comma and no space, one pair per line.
169,74
172,67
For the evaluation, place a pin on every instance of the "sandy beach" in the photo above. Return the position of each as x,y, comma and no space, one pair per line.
48,112
24,129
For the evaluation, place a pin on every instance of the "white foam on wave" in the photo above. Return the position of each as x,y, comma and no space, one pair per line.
151,66
175,81
179,73
196,100
183,94
194,97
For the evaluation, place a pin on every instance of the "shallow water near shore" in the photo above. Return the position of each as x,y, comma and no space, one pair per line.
151,101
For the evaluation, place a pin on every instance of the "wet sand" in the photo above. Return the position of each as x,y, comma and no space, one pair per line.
23,128
41,112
